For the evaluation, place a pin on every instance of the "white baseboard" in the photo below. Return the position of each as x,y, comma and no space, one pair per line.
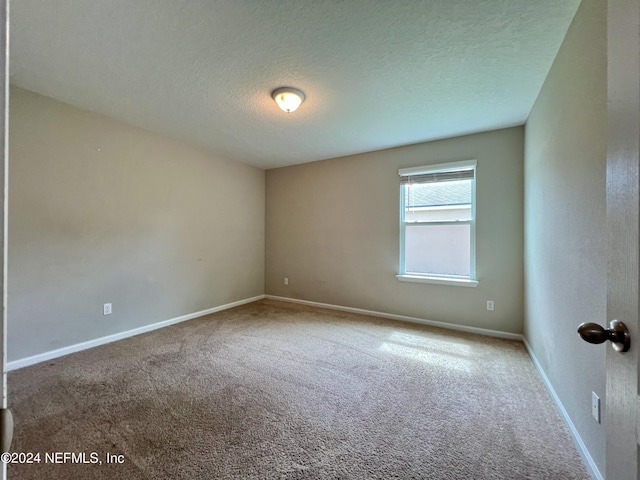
43,357
391,316
582,448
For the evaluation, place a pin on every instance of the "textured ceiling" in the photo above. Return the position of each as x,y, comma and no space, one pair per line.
376,74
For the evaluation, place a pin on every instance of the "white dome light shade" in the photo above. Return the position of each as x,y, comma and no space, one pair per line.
288,99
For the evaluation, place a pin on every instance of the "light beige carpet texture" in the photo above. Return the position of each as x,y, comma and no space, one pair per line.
274,390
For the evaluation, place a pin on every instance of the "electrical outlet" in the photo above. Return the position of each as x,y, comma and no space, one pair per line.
490,305
106,309
286,281
595,406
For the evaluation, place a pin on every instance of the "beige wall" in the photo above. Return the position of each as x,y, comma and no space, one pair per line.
333,230
104,212
565,242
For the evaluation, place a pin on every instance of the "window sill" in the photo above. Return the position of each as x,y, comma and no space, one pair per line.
438,280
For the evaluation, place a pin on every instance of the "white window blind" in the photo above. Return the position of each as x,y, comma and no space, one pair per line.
435,177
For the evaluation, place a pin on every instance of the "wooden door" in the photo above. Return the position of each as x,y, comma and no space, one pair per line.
6,428
623,224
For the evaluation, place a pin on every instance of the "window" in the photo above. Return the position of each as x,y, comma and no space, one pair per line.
437,223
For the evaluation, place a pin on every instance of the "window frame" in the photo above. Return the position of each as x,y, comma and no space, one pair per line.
441,279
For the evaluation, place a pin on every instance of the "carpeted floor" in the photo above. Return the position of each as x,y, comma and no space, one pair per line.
274,390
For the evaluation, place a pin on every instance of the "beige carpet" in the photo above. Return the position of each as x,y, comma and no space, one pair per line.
277,390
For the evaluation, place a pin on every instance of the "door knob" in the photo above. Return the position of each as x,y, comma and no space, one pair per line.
617,333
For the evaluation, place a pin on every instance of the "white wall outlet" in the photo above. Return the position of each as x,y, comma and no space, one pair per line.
490,305
286,281
595,406
106,309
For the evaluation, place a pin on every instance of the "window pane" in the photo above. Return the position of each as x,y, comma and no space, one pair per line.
438,214
438,249
435,202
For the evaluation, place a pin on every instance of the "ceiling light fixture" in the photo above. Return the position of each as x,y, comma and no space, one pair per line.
288,99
